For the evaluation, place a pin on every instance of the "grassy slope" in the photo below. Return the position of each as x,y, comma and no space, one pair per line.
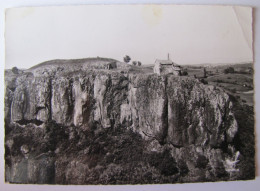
71,61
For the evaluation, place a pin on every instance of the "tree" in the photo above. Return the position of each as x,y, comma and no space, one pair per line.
134,63
229,70
205,72
127,59
139,63
15,70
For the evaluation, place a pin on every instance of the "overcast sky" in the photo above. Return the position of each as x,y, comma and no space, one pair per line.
190,34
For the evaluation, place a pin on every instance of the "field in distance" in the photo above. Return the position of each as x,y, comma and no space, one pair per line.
235,79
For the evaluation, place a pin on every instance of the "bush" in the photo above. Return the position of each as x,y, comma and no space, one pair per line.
15,70
204,81
164,162
201,161
229,70
184,73
184,170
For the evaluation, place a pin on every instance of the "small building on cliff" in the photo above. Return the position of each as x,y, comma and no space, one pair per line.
111,65
162,67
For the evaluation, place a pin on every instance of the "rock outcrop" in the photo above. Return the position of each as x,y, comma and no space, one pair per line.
181,121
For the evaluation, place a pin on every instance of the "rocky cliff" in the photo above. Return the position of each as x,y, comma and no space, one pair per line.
113,126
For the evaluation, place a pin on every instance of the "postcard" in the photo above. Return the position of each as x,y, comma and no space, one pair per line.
129,94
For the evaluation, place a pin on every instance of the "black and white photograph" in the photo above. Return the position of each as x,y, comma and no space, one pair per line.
129,94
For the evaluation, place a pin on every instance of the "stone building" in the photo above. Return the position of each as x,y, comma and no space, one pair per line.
162,67
111,65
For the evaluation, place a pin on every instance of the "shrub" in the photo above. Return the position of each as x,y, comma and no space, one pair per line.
185,73
229,70
184,170
164,162
204,81
201,161
15,70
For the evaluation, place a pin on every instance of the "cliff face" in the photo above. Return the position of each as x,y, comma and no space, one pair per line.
175,110
190,124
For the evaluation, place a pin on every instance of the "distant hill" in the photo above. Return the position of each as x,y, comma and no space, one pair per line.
69,62
62,66
220,65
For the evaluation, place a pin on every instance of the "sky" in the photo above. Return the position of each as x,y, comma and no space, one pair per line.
190,34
